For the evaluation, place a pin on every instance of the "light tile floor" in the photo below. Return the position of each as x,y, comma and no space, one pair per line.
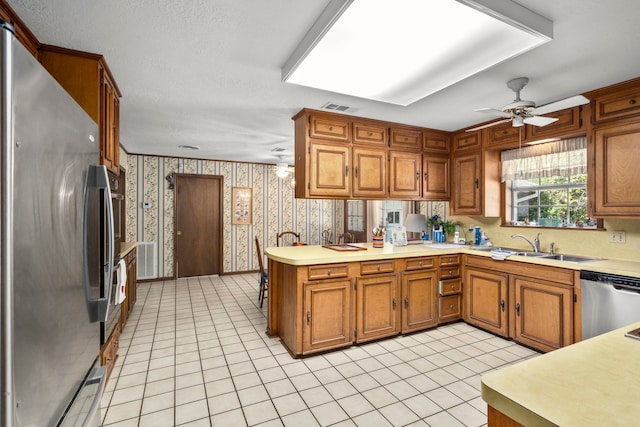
194,353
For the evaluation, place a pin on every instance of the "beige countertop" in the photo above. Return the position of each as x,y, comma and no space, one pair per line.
310,255
592,383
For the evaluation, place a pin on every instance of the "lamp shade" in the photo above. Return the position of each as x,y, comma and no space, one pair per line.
415,223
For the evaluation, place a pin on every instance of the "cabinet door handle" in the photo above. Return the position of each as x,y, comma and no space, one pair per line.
440,287
355,172
394,304
346,171
406,303
518,309
426,176
417,176
502,305
477,183
308,317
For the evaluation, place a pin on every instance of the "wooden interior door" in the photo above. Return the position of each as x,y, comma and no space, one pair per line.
198,225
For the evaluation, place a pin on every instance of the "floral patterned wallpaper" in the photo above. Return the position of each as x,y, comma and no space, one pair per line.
274,208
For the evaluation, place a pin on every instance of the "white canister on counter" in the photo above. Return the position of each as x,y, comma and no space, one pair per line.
456,237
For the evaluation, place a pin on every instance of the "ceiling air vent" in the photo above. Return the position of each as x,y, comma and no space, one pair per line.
331,106
278,150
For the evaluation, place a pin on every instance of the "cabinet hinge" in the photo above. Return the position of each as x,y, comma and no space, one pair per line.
308,186
355,286
575,298
355,333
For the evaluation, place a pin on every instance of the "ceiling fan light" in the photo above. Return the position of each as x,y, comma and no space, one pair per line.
282,170
518,121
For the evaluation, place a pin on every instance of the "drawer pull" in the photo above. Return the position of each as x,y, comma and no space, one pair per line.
378,267
330,127
632,101
329,272
451,306
450,272
421,263
452,287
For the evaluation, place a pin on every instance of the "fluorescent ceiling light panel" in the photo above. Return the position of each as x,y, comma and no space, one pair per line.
401,51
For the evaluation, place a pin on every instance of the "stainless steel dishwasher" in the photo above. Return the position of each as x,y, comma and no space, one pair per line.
609,302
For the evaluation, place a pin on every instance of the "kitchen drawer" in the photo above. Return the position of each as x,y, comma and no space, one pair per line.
450,308
406,138
370,134
450,286
618,104
447,260
329,128
420,263
328,271
374,267
449,272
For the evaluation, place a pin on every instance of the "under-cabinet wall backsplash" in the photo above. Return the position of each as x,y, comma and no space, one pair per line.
274,208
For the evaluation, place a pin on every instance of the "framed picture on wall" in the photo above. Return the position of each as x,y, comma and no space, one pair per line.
241,205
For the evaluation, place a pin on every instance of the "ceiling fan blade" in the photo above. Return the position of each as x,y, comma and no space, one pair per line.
539,120
494,112
560,105
489,125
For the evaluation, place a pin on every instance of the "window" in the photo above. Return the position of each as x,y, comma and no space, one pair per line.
547,185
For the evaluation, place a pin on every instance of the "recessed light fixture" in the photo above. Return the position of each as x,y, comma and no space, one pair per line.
189,147
399,52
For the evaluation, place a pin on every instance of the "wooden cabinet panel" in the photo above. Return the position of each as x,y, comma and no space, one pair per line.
505,134
330,127
405,138
614,170
435,172
327,315
467,140
543,314
618,101
435,142
405,175
449,272
109,351
370,133
450,286
327,271
419,296
329,170
377,311
448,260
486,300
450,308
419,263
569,123
369,173
466,188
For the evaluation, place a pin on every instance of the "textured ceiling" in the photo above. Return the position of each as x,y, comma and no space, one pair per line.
207,72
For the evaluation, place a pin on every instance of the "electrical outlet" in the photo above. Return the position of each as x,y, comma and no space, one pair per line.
618,237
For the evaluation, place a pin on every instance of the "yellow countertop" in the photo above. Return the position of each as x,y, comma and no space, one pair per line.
126,247
592,383
310,255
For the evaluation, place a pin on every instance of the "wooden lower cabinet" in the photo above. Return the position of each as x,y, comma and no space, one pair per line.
109,351
419,296
377,309
327,315
486,295
543,313
131,260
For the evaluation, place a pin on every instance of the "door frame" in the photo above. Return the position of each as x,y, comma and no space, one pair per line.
219,178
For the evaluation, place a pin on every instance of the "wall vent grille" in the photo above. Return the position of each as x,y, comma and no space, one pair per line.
332,106
147,260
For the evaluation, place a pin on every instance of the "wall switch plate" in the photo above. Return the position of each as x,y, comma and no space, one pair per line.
618,237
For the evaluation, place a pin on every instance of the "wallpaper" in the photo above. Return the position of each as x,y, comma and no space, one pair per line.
150,208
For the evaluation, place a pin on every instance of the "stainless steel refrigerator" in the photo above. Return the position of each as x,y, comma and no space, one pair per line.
56,254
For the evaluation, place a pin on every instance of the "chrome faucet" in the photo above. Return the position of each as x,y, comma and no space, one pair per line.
535,244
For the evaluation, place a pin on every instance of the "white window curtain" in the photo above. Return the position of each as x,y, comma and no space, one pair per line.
567,156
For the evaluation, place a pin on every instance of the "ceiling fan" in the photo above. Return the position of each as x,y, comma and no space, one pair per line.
521,111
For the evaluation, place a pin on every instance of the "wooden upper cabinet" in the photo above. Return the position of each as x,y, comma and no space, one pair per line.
613,157
329,127
86,77
619,101
435,175
463,140
370,133
329,170
405,138
405,177
369,173
435,142
476,184
22,32
505,134
569,124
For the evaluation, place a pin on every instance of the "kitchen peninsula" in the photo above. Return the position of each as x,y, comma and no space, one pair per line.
321,299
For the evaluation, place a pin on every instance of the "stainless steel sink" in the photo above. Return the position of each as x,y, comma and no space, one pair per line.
571,258
532,254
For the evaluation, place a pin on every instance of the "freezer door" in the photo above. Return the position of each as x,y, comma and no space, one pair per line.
55,342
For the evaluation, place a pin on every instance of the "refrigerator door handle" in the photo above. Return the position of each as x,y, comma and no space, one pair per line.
97,375
99,307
